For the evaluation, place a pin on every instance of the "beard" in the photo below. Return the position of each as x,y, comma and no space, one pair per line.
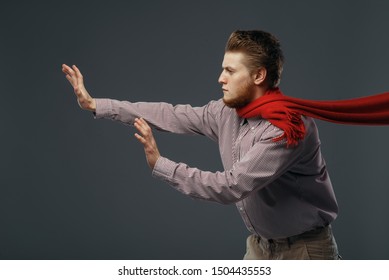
243,96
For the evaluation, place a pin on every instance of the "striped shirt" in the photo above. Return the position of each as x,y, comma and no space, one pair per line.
279,191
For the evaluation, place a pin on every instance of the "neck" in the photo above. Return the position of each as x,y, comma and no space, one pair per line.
259,92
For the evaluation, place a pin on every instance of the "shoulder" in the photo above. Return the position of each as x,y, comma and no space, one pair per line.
269,131
311,131
219,108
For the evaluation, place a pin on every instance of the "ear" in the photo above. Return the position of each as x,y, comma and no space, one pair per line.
260,76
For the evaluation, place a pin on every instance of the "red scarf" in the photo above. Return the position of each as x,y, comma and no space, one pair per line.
285,112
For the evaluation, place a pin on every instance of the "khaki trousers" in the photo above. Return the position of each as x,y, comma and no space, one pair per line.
314,245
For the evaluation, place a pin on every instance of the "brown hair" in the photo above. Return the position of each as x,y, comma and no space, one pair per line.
262,49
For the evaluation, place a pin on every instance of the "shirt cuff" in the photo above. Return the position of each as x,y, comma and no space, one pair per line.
103,108
164,169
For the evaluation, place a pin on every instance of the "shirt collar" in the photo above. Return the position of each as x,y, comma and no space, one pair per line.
252,122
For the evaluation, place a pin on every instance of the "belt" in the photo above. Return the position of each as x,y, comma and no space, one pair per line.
292,239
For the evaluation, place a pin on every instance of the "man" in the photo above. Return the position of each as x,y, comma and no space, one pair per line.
279,184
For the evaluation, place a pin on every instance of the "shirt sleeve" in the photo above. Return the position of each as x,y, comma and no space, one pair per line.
183,119
264,162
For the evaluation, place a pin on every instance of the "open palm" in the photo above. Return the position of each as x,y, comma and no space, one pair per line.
76,79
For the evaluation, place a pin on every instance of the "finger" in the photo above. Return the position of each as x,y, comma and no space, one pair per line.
140,128
144,124
78,73
69,78
139,122
143,127
140,139
66,69
64,66
137,125
71,75
142,120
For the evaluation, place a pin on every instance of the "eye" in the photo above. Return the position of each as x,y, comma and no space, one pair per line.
229,70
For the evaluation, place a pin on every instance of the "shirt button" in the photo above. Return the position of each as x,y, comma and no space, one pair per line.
241,208
252,128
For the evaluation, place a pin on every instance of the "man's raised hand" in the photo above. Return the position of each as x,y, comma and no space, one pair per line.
145,136
76,79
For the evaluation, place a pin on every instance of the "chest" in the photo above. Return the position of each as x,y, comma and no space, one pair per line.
237,137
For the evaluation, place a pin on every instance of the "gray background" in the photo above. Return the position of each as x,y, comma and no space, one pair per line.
76,188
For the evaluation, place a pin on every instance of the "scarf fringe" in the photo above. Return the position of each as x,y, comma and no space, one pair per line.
293,127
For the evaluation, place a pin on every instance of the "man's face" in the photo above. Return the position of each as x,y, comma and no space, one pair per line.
237,82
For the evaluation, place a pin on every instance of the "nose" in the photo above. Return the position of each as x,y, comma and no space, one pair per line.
222,79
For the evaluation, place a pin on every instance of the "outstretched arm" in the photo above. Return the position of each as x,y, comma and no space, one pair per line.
76,79
264,163
163,116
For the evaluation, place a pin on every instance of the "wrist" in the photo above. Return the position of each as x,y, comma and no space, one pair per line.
92,105
154,161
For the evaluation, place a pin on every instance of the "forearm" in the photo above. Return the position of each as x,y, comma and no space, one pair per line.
205,185
162,116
